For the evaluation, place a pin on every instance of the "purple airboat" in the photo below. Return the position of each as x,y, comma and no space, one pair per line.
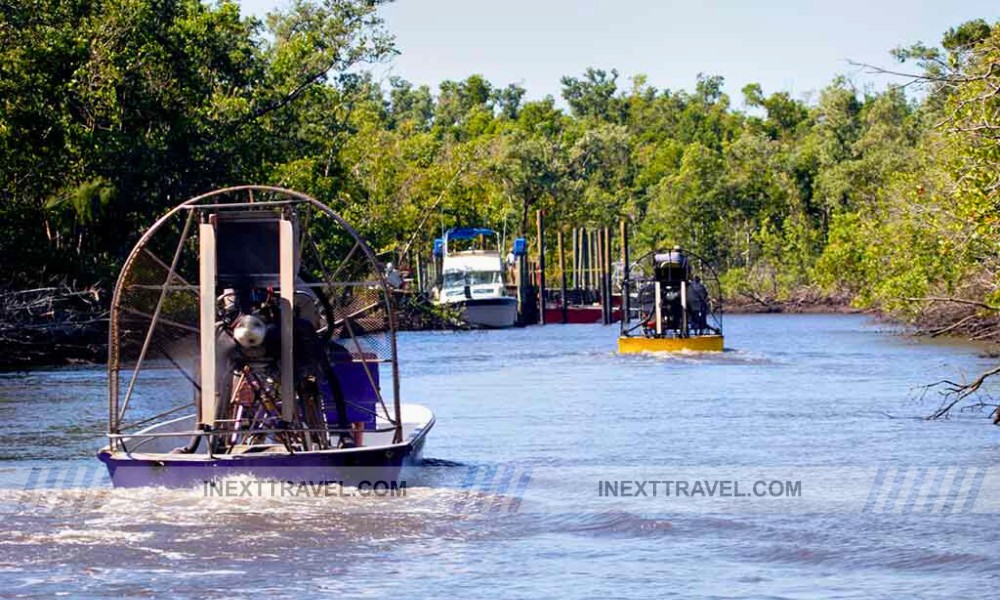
252,334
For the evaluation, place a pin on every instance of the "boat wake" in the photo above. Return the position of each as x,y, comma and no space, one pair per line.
441,462
728,356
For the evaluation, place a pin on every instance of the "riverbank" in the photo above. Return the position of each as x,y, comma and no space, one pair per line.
53,326
59,326
806,301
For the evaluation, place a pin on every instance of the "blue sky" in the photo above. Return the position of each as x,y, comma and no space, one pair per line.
796,47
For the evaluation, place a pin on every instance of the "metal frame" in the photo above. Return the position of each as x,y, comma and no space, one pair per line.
629,282
116,412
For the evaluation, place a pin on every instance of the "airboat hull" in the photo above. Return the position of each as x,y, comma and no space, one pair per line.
348,467
701,343
493,313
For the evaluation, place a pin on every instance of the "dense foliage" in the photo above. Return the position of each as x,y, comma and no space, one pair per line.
112,111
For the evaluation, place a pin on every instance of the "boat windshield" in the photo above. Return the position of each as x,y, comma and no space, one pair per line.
463,278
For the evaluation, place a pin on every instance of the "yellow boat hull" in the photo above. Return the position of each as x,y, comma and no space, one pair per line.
701,343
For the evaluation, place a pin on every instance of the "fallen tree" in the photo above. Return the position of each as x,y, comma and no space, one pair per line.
972,319
52,325
954,393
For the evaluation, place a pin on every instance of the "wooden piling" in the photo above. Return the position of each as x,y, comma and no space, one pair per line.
562,276
519,283
609,305
541,266
591,242
600,275
575,269
596,265
418,278
590,260
599,272
625,269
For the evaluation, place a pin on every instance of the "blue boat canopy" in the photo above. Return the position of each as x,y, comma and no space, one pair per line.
467,233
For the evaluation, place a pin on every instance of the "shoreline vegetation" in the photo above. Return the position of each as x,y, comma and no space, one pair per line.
804,301
56,326
112,112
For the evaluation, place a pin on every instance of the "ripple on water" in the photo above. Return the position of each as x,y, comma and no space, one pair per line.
804,390
729,356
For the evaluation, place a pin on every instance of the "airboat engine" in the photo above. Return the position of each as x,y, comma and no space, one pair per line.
671,268
250,331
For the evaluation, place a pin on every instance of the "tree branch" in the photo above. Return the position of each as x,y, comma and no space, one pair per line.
976,303
956,392
430,211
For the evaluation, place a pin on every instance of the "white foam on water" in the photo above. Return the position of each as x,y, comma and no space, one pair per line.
84,536
194,574
167,554
728,356
106,516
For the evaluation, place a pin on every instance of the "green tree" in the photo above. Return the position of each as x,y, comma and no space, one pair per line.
593,95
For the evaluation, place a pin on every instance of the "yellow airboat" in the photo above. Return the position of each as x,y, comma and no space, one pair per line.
671,303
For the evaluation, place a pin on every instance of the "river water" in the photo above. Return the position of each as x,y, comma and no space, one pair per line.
549,408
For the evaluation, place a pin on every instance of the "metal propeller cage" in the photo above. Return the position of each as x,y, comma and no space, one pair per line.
638,288
155,360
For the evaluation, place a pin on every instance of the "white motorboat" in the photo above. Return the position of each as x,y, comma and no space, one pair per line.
473,278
